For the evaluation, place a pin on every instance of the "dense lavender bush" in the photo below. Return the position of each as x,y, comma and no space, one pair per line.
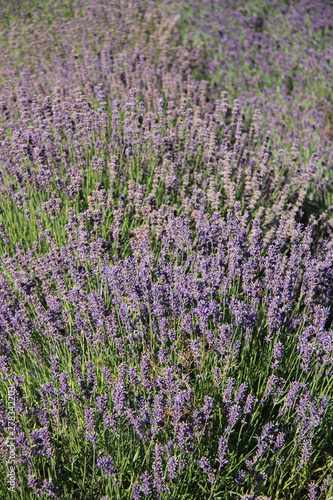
165,310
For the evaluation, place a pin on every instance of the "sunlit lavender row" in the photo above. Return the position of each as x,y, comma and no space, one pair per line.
166,272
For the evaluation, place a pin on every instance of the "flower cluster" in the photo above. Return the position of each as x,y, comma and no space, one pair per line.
165,309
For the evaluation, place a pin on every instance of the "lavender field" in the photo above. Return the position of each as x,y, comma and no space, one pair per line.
166,249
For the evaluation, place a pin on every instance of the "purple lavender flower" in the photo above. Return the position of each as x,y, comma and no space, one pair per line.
33,483
64,383
91,377
305,452
233,415
326,483
217,376
146,486
292,395
136,494
42,415
206,467
250,400
107,465
240,477
42,443
101,403
157,468
158,411
239,396
172,467
184,436
278,348
119,396
107,375
54,365
222,451
228,390
91,435
280,440
49,489
312,491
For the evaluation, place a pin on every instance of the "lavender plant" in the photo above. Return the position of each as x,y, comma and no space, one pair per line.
165,319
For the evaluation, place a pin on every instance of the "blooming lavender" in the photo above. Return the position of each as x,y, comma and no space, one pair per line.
90,427
222,452
42,443
107,466
206,467
165,256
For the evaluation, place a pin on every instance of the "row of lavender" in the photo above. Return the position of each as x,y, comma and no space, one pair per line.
165,318
276,56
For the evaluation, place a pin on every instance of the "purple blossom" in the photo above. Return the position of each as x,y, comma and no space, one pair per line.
49,489
172,467
222,451
107,465
146,486
228,390
292,394
64,383
233,416
43,419
90,434
42,442
305,452
33,483
119,396
136,494
206,467
250,400
239,396
101,403
240,477
158,468
184,436
312,491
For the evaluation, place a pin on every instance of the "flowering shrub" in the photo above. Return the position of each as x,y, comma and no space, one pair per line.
165,310
274,56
